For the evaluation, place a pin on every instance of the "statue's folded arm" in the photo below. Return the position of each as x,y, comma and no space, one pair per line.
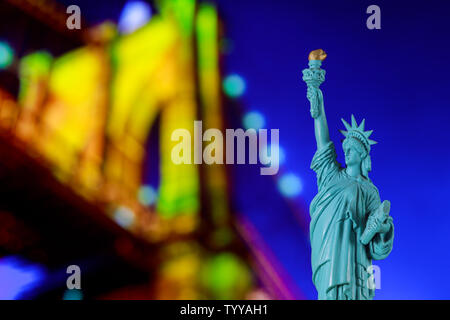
381,245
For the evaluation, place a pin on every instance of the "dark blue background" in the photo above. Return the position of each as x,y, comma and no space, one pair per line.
397,78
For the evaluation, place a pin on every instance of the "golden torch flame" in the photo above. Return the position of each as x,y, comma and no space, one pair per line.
318,54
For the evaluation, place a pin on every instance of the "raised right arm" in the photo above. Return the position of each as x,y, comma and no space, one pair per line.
315,97
314,76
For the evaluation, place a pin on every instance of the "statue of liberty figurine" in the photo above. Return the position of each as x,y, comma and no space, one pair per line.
350,225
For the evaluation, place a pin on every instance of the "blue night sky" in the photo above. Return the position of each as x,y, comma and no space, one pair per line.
397,78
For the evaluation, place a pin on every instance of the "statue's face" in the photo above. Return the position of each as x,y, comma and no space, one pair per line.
352,156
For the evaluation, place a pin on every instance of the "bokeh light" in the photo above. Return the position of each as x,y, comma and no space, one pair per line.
73,294
254,120
35,64
124,217
134,15
6,55
290,185
234,86
225,275
18,276
147,195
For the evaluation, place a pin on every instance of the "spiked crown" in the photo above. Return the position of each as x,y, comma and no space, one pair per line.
357,131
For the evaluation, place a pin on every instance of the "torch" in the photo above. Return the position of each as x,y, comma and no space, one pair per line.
314,76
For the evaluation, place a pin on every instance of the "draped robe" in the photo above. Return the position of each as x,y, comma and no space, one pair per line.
339,214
